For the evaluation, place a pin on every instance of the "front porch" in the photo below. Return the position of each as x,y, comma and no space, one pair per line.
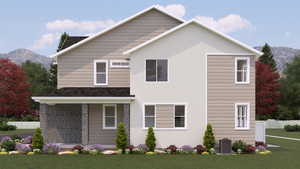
84,115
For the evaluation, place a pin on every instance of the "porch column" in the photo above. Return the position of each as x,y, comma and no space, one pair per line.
126,119
43,120
84,124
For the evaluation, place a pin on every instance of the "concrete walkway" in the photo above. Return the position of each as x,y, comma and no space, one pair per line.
287,138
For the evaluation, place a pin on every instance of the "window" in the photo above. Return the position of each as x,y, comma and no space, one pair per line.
109,116
242,116
156,70
242,70
179,116
119,63
149,116
100,72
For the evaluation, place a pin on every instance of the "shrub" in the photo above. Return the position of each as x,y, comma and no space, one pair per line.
172,149
121,140
292,128
8,145
260,143
6,127
16,137
27,140
51,148
250,149
37,139
209,138
260,148
5,138
143,148
24,148
150,140
130,147
199,149
238,145
78,148
187,149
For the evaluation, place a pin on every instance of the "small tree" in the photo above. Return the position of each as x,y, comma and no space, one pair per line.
121,140
209,138
150,140
37,139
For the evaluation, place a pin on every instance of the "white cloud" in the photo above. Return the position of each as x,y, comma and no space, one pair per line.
227,24
83,26
175,9
45,40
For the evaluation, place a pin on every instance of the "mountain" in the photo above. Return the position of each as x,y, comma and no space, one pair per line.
20,56
282,55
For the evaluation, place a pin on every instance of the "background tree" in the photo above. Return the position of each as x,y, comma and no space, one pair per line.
38,77
62,40
268,58
53,76
121,140
290,100
14,90
267,91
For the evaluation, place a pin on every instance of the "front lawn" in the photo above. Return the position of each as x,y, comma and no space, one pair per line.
283,133
287,157
16,132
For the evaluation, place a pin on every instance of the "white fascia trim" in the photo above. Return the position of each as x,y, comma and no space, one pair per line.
82,100
256,52
248,116
115,26
103,117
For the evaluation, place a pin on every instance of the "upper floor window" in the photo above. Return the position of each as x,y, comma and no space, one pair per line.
119,64
100,72
156,70
242,116
242,70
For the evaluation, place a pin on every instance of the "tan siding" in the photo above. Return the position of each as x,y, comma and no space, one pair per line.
164,116
75,68
97,135
223,93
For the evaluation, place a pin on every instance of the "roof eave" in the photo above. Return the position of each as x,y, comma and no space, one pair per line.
82,100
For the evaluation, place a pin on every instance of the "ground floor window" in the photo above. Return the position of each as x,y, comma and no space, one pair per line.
149,116
242,116
179,116
109,116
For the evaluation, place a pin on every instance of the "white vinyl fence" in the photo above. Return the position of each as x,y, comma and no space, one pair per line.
25,124
279,124
260,131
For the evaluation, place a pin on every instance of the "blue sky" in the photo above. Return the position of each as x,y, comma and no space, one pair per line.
37,24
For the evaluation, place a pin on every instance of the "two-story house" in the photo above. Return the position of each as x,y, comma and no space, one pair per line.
152,70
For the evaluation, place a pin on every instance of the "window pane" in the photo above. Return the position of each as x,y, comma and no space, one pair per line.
150,70
149,110
162,70
242,116
179,110
149,121
101,67
242,64
109,111
101,78
109,122
179,121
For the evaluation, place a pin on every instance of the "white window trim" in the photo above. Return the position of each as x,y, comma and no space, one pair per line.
119,66
236,115
174,128
248,69
156,70
103,117
180,116
95,72
144,115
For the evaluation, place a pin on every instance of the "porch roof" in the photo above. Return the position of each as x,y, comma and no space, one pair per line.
76,95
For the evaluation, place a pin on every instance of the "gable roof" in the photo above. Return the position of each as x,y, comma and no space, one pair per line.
256,52
155,7
71,40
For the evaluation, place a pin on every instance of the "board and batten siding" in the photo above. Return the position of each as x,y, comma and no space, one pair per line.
223,93
98,135
75,68
164,115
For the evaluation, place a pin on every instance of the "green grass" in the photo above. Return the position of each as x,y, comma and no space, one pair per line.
16,132
283,133
285,157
